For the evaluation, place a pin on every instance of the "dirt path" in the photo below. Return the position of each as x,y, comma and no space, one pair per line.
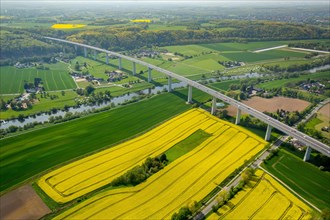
22,203
271,48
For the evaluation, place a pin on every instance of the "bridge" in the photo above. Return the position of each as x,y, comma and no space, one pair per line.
308,141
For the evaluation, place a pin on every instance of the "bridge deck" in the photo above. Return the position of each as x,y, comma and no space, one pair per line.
303,138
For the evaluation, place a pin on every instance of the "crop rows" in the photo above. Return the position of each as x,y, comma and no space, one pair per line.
52,79
267,199
189,178
90,173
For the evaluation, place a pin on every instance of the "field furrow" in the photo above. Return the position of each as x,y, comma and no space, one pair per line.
189,178
263,198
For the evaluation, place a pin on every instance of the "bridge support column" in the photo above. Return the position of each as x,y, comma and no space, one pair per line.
214,105
76,47
134,68
238,116
85,51
170,84
120,64
149,74
307,154
189,94
95,54
107,58
268,132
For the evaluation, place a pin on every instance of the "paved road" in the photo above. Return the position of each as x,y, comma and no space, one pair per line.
303,138
255,164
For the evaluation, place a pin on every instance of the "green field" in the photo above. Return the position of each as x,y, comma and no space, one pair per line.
186,145
224,85
44,104
283,82
12,79
189,50
26,155
304,178
243,46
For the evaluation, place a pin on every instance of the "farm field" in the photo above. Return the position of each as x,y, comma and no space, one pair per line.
224,86
52,79
43,104
304,178
284,82
28,154
263,198
189,178
65,183
321,120
22,203
271,105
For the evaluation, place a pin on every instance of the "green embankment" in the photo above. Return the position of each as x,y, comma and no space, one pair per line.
26,155
186,145
224,86
304,178
283,82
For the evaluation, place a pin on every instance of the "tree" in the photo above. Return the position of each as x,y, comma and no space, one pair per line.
89,89
77,66
63,93
3,105
247,175
222,197
20,117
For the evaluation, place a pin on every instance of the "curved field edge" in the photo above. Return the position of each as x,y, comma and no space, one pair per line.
190,177
259,198
24,156
97,170
304,178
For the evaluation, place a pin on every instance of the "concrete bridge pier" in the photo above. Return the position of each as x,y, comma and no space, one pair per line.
189,94
85,52
214,105
120,64
107,58
307,154
134,68
95,54
149,74
238,116
76,47
268,132
170,84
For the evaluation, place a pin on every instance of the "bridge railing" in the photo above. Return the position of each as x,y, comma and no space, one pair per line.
303,138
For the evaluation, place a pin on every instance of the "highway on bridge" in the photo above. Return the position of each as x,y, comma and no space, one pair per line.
301,137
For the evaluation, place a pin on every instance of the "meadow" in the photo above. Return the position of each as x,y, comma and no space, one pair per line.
52,79
304,178
189,178
263,198
26,155
283,82
43,104
98,170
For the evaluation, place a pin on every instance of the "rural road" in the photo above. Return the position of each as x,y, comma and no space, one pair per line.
256,163
315,110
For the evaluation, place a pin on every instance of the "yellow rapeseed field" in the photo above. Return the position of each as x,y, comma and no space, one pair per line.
189,178
141,21
67,26
264,199
95,171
